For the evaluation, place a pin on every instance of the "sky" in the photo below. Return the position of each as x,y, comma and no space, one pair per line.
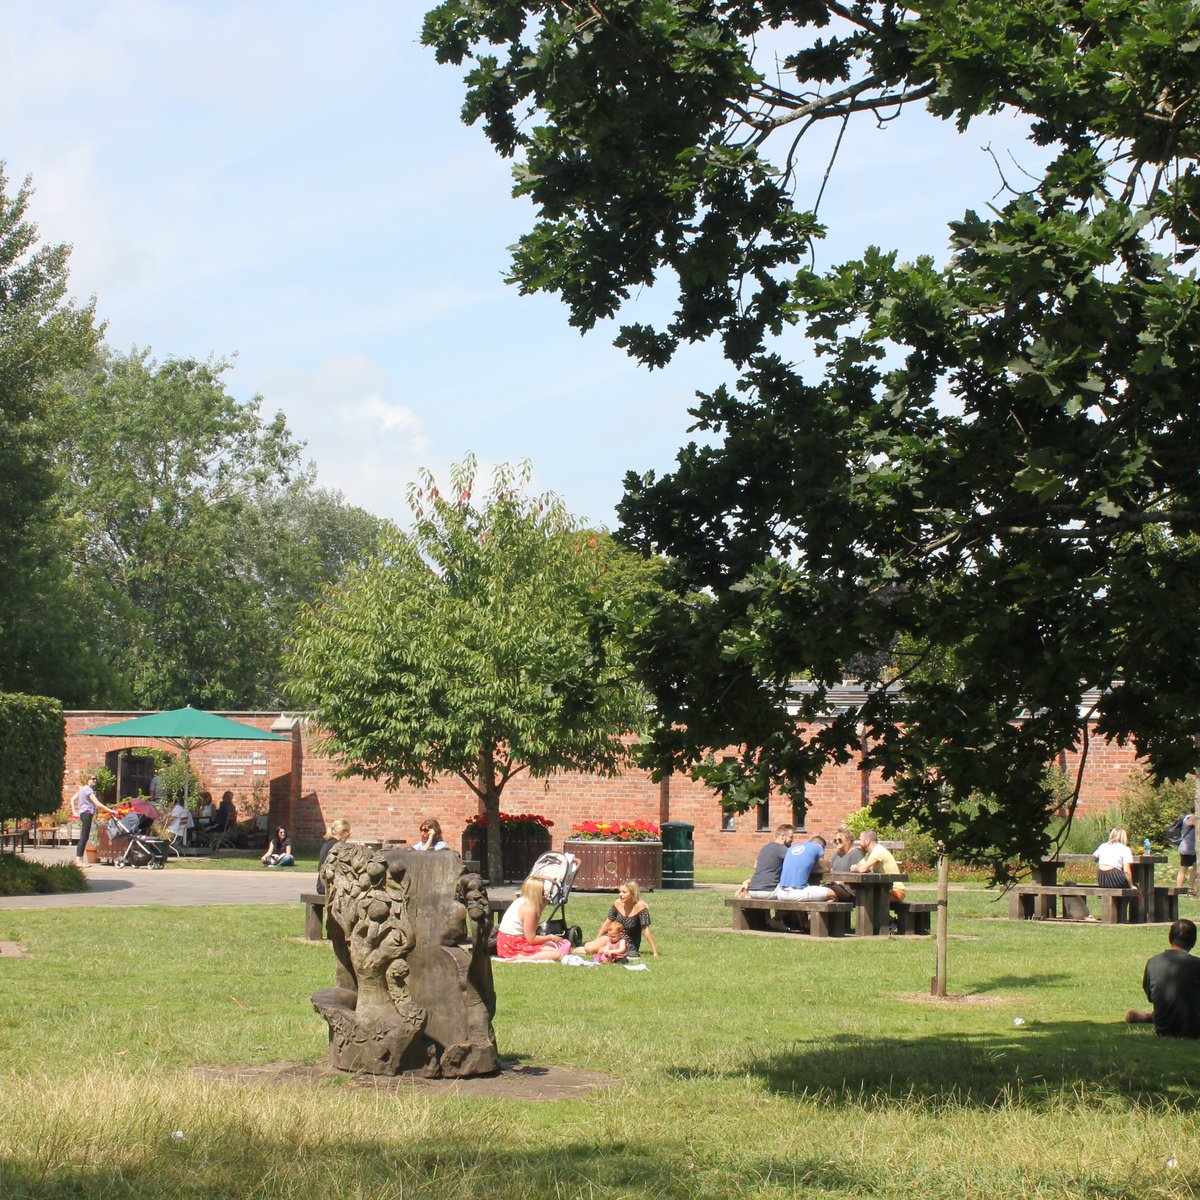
289,185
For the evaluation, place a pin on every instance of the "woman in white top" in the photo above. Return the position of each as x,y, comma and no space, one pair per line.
518,937
1114,861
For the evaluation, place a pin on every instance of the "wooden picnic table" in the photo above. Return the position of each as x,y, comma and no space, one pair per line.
872,898
1045,874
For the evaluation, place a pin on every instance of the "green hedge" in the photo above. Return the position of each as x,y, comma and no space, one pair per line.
33,755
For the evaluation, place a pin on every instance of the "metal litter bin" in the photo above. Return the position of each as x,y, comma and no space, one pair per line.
678,855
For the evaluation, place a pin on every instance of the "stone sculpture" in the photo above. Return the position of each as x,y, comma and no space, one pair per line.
410,994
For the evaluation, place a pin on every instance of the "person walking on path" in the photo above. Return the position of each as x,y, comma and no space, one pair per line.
84,805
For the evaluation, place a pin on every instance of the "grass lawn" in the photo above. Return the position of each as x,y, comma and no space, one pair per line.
744,1066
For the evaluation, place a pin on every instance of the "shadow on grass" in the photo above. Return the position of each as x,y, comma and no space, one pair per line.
1009,983
1031,1065
512,1170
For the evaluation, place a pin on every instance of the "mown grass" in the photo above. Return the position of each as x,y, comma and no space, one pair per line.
743,1066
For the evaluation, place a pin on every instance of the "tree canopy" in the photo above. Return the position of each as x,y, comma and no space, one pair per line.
987,490
193,531
42,333
476,645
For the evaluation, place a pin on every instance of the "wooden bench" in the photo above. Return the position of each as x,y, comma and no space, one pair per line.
829,918
1040,902
16,839
314,916
914,917
1166,903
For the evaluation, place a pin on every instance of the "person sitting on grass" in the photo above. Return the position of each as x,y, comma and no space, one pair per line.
879,859
518,939
631,913
612,944
1171,982
279,850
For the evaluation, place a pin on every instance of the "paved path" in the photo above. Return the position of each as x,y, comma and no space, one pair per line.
114,887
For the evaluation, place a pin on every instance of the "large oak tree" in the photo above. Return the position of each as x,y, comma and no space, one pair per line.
987,492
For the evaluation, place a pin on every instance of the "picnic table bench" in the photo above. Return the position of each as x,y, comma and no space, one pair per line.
870,906
1040,902
1039,899
826,918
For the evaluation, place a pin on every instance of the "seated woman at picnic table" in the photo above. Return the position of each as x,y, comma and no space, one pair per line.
179,820
634,917
878,858
612,945
1114,861
431,836
279,849
518,937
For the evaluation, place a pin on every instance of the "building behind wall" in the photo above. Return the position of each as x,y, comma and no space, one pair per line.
305,793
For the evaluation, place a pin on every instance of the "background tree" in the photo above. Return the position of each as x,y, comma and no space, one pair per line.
990,489
193,531
41,334
475,646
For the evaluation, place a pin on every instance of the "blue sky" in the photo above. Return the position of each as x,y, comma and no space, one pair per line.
290,183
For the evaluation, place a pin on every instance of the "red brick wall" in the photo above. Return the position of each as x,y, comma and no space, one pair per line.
306,795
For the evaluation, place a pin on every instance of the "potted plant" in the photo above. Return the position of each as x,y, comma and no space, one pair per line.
609,852
525,837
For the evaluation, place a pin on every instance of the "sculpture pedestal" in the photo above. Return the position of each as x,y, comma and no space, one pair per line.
414,992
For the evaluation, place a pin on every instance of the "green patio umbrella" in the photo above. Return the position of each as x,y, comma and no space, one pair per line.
186,728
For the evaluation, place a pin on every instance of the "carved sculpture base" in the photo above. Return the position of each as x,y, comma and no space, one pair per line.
411,994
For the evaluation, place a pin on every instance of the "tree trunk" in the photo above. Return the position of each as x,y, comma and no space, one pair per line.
943,896
490,796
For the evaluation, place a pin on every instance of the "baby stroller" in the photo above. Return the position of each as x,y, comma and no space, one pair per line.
143,849
559,872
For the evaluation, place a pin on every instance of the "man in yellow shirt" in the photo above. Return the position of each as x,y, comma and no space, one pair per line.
877,858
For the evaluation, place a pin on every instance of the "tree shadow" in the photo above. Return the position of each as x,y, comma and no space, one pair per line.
1008,983
1031,1065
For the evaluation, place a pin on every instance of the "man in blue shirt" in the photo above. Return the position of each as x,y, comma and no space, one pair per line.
798,865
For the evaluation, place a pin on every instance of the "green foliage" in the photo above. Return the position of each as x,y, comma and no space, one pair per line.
479,645
106,782
919,847
173,775
1149,807
32,755
41,334
196,532
20,876
983,499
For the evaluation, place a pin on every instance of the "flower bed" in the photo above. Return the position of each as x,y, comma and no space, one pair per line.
616,831
609,852
525,837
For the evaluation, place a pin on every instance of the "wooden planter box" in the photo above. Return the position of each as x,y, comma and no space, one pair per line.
604,866
520,849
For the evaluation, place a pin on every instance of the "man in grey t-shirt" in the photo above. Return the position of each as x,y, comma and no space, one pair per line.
764,881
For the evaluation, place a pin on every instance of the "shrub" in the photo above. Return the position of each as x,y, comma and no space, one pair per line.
21,877
33,750
1149,807
920,848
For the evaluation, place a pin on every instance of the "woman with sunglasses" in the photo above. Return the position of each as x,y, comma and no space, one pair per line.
431,836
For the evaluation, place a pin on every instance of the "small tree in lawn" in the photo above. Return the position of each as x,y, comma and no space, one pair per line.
476,645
